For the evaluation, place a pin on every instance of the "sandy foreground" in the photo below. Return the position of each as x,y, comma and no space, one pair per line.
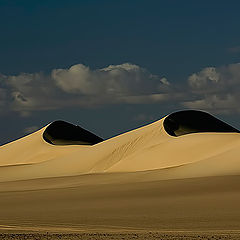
143,184
127,236
195,205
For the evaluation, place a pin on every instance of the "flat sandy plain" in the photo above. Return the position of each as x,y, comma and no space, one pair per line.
121,236
196,208
144,184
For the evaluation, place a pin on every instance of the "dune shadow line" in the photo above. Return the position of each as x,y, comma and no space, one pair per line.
64,133
192,121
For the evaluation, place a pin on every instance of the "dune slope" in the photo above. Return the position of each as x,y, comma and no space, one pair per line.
171,174
148,148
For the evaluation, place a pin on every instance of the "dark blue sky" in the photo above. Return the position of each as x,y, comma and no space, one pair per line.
169,38
162,36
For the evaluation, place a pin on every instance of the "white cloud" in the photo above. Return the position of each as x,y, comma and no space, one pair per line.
81,86
215,89
205,78
116,80
212,89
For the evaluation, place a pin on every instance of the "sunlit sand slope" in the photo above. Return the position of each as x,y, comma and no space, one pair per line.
151,147
179,173
31,149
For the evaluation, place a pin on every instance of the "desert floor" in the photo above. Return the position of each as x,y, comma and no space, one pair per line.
121,236
195,208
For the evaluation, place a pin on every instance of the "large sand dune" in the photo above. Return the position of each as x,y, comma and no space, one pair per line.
200,143
181,172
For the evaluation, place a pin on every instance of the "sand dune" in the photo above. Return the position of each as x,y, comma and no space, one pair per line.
187,162
147,148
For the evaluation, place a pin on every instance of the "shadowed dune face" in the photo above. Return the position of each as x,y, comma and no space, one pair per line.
63,133
192,121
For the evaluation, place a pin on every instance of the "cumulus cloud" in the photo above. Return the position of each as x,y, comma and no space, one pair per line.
207,77
81,86
215,89
115,80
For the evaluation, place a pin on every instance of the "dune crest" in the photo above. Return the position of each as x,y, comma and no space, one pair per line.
191,121
63,133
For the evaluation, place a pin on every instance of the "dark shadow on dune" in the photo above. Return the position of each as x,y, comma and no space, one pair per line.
191,121
63,133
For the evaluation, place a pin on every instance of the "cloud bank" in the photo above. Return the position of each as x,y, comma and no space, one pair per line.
215,89
81,86
212,89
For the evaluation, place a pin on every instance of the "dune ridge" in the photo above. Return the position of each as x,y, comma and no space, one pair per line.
63,133
147,148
